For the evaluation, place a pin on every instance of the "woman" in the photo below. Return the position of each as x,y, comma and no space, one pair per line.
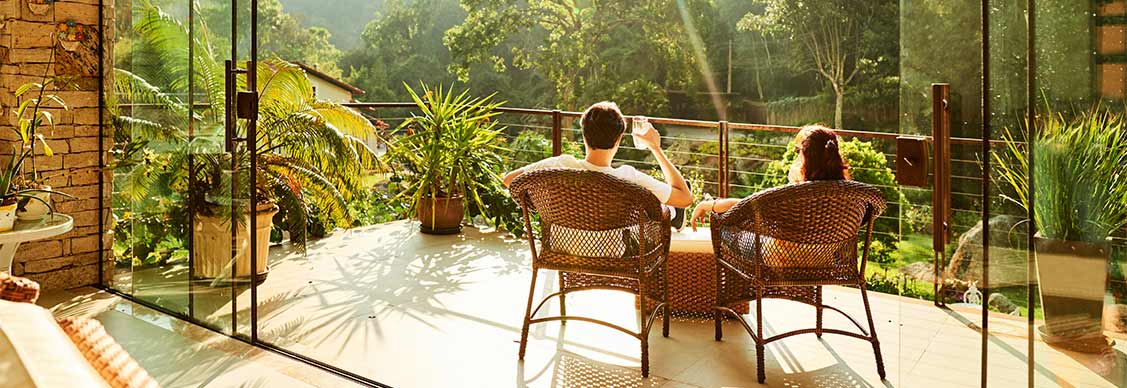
818,160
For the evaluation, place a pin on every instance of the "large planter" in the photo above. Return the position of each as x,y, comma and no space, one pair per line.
35,210
1072,279
211,247
441,215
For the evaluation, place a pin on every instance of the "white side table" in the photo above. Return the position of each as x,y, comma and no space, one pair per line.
25,231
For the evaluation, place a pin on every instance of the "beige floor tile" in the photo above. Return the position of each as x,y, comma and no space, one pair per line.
412,310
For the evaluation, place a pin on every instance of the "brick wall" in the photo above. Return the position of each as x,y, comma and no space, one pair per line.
29,48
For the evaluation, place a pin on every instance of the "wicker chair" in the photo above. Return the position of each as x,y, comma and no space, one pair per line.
599,232
788,242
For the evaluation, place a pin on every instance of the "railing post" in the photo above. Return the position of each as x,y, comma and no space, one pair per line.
722,181
941,176
557,132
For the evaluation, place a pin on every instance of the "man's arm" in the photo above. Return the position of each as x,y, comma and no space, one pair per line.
508,180
680,197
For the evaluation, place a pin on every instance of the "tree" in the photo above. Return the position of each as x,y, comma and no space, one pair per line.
587,50
842,38
280,34
403,44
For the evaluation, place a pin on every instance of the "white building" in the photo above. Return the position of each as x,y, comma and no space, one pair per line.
329,88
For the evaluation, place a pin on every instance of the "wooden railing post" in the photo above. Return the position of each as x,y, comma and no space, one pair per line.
557,132
722,181
941,176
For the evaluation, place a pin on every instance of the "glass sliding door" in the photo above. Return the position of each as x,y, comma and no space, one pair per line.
181,166
164,120
941,97
1077,155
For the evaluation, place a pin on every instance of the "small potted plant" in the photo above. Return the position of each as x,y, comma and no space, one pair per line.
10,194
1080,199
33,114
448,159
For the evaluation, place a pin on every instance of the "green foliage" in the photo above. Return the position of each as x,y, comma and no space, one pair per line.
32,115
280,34
310,152
1079,167
404,44
532,146
897,284
345,19
454,147
1117,275
583,49
147,238
379,206
843,39
879,252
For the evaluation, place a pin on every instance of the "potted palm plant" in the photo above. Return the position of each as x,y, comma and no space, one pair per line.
310,153
449,158
1080,199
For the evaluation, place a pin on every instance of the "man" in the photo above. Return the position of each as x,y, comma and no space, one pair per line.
603,127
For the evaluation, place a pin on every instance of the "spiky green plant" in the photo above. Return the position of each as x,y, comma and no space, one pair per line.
1079,171
454,147
310,153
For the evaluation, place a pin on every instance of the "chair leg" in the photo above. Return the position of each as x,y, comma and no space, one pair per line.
668,306
563,299
717,313
645,357
644,329
818,309
873,333
527,316
759,341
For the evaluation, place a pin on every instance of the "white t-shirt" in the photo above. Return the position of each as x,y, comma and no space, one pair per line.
660,189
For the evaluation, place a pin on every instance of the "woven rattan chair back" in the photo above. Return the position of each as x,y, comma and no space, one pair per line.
599,232
805,225
589,213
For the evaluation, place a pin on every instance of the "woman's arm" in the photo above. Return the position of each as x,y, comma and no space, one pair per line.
508,179
700,213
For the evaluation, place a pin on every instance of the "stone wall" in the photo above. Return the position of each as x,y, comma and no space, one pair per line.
30,49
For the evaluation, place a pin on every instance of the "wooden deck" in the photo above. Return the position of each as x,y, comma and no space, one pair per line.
411,310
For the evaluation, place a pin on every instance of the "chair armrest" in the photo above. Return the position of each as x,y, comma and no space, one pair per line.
17,289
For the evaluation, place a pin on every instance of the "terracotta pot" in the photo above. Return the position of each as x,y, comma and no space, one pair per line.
1072,279
211,246
441,215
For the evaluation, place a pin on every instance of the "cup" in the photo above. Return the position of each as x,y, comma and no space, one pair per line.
640,127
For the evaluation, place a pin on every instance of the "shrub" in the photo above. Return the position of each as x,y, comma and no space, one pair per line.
531,146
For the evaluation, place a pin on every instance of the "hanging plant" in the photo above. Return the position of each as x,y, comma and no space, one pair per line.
71,34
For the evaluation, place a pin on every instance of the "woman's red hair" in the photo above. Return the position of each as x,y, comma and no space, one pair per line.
820,159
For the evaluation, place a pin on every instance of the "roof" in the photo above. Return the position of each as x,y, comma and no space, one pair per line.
330,79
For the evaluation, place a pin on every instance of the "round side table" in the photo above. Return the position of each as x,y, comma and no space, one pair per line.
25,231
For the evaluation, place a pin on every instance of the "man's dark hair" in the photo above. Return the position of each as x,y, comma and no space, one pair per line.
603,124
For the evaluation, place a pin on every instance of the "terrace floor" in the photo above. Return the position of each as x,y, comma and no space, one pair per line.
412,310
